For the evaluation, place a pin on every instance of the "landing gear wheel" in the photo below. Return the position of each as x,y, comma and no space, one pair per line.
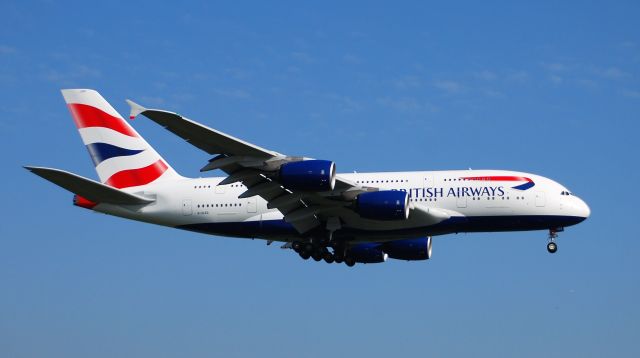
552,247
350,261
308,248
328,257
317,256
305,255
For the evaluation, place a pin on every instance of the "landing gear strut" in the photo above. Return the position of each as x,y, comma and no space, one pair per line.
552,247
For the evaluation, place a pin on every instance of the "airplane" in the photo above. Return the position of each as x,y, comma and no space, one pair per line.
302,202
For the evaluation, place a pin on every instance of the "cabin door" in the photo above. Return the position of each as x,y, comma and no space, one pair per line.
540,199
252,204
186,207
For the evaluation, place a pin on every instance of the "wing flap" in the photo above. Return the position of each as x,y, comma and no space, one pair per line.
279,198
88,188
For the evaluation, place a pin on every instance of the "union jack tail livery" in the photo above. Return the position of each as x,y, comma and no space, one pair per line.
121,156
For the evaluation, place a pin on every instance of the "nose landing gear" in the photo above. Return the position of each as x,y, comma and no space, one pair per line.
552,247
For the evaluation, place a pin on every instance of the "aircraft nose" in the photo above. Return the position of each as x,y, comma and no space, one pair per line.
582,208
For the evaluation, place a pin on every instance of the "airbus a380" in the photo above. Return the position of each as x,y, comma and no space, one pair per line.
303,202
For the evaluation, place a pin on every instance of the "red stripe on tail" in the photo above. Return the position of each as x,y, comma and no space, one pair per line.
89,116
135,177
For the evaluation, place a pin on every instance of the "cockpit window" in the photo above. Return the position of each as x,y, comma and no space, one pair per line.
564,192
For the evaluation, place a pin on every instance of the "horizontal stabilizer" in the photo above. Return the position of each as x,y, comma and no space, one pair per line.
87,188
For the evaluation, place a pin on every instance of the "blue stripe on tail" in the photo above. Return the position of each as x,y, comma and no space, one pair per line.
102,151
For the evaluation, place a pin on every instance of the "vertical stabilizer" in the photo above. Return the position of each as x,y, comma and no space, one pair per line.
121,156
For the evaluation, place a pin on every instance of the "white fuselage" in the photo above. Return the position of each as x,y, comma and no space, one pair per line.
479,204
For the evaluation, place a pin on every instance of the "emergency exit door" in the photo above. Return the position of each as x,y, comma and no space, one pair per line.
540,199
252,204
186,207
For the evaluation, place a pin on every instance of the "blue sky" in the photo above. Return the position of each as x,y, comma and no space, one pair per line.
547,88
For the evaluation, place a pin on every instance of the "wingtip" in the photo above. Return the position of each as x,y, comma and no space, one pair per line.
35,169
136,109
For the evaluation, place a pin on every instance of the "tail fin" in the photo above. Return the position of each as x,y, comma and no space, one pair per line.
121,156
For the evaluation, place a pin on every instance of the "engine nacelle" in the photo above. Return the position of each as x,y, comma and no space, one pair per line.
409,249
383,205
309,175
369,253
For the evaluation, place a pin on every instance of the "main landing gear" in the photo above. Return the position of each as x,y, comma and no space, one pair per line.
552,247
321,252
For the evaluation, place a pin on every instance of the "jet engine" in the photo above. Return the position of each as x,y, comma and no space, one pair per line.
409,249
369,253
309,175
383,205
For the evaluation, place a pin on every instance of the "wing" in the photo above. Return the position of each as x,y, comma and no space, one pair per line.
201,136
257,169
